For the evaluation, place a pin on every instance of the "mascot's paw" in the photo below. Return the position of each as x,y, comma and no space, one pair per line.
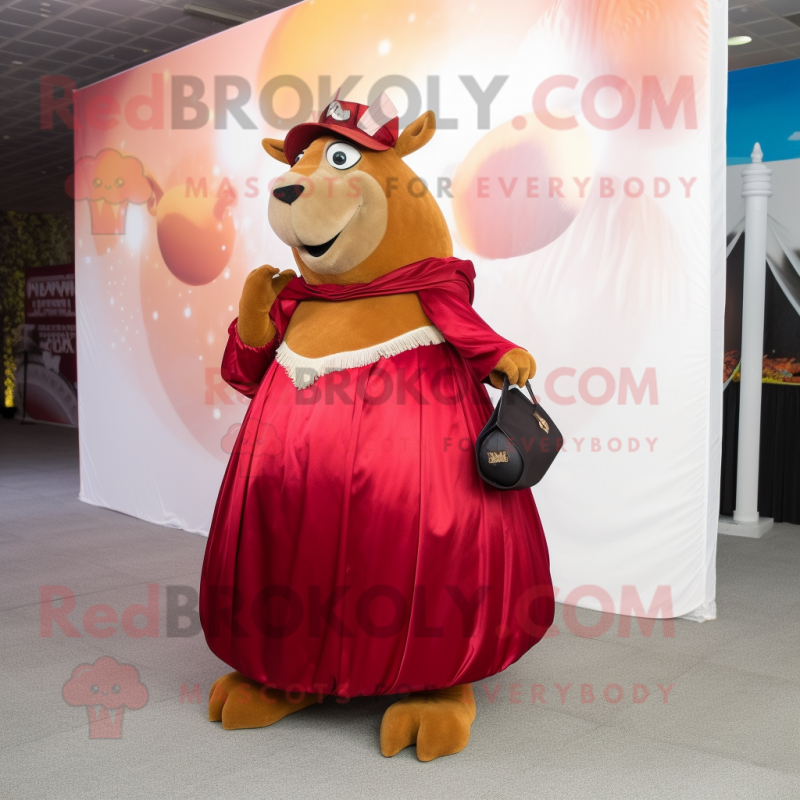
261,287
518,364
242,703
438,722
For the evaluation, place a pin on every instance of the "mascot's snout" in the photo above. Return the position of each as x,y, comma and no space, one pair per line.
330,207
288,194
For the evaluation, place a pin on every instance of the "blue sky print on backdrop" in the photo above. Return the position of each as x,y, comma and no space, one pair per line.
764,106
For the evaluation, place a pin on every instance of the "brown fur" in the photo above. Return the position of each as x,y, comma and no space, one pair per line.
438,722
378,195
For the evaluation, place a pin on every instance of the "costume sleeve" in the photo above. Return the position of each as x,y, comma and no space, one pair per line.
243,366
451,313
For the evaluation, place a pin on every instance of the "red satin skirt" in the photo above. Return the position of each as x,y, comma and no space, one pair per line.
354,549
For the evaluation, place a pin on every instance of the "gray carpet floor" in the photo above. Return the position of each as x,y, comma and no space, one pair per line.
730,727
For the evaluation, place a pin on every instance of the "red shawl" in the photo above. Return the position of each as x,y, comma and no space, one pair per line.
445,289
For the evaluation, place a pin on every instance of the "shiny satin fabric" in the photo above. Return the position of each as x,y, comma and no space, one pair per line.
354,549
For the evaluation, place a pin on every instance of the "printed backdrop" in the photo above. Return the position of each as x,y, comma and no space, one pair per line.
580,163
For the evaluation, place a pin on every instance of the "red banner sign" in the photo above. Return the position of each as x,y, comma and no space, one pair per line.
49,382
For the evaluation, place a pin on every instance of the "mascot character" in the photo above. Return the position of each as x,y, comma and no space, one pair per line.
354,549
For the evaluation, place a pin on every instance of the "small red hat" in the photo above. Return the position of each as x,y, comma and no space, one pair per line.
376,126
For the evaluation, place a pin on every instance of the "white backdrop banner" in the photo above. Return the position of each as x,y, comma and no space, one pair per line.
580,162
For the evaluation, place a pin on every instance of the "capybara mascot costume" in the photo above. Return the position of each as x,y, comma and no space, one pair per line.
355,550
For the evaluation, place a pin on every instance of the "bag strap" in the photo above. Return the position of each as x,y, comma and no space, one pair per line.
542,422
530,392
507,386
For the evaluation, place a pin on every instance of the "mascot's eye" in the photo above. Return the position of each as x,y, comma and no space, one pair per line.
119,183
97,182
299,156
94,689
342,155
116,688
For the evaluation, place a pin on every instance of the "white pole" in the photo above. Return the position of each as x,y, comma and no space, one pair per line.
756,188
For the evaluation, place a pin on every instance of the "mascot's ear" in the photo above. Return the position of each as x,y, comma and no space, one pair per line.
274,147
416,135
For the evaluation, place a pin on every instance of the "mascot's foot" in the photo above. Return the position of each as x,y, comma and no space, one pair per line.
242,703
438,722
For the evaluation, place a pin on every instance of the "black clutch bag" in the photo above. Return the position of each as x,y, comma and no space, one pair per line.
518,443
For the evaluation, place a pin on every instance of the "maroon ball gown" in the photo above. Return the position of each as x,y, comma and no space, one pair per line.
354,549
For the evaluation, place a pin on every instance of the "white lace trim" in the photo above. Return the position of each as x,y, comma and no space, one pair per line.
303,372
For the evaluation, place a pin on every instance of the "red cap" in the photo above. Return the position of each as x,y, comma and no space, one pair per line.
376,126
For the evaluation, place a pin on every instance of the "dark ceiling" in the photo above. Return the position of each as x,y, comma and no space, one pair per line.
773,26
88,40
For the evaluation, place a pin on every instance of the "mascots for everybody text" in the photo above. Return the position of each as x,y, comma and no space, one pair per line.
354,548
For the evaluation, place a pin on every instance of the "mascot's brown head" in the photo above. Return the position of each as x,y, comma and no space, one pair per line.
349,206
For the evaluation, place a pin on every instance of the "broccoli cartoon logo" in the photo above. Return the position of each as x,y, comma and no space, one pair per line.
110,181
106,688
